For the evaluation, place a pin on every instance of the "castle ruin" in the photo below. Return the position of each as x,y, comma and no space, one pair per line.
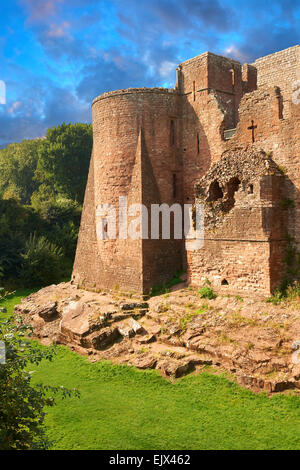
227,136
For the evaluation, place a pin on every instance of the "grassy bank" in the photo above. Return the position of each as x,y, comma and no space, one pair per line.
124,408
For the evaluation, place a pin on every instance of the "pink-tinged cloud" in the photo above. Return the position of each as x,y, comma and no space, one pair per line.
59,31
14,107
41,10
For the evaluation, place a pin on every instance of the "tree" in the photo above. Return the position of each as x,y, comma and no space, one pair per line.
63,161
18,164
42,184
17,222
22,404
41,262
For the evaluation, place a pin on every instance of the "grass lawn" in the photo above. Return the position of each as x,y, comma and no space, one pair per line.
124,408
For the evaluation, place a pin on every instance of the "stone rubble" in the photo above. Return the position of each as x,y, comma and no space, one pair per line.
177,333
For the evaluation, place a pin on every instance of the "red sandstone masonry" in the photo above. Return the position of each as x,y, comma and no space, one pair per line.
134,155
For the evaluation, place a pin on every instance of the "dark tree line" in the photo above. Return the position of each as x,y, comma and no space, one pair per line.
42,184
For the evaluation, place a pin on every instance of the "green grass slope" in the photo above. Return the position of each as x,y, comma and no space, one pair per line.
124,408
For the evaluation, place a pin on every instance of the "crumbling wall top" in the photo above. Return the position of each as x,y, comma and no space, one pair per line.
135,91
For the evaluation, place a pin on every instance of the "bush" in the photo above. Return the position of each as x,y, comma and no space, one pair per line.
206,292
21,404
41,262
42,184
286,292
165,289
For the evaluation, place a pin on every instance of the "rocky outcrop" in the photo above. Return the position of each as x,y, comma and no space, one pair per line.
258,343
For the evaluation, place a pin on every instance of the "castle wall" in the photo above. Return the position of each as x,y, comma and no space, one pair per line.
86,269
276,131
244,221
143,172
211,87
154,145
280,69
277,136
243,264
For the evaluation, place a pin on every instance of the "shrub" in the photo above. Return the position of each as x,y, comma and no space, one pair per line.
277,297
207,292
42,262
165,289
293,291
286,292
21,404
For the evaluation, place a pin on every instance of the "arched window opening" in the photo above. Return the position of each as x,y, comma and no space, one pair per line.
231,188
215,191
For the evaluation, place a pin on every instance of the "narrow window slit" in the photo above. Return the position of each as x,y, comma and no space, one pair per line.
174,185
172,132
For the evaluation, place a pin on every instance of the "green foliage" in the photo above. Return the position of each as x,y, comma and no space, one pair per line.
61,217
121,408
200,412
40,262
293,291
282,170
63,161
42,183
16,224
207,292
289,289
189,316
22,403
287,292
277,297
165,289
18,163
287,203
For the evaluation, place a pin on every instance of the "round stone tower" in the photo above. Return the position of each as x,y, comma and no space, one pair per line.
136,160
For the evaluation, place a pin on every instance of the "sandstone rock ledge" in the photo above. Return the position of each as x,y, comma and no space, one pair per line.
175,333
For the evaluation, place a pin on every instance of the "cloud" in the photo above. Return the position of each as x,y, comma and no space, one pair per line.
112,71
176,16
79,49
58,31
40,11
258,42
14,107
40,108
166,68
234,52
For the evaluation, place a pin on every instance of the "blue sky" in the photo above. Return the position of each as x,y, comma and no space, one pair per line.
57,55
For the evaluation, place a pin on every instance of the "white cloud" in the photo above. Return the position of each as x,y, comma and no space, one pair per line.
166,68
234,53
